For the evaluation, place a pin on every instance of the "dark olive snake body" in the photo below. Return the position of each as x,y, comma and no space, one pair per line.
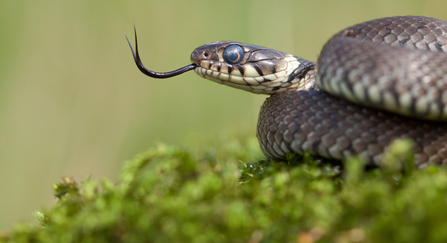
374,82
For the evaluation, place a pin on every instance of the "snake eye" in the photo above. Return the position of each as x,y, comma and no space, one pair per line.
233,54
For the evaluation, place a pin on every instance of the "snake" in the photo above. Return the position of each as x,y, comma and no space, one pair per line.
373,83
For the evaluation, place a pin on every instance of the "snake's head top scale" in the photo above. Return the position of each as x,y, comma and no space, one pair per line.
248,67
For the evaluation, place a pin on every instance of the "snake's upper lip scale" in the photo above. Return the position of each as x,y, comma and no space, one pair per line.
151,73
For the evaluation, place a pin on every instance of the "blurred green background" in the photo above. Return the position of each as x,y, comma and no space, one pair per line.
73,103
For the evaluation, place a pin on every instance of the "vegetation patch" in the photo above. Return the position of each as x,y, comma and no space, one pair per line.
169,194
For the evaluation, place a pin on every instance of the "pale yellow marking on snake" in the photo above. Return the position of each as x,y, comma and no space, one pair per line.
374,93
271,77
259,79
405,101
214,67
215,74
236,72
237,80
250,71
281,74
434,110
359,90
251,81
346,91
205,64
224,68
388,98
224,77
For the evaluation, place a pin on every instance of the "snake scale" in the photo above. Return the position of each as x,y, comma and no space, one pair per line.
373,83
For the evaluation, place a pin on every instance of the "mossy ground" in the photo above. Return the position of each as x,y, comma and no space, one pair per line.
169,194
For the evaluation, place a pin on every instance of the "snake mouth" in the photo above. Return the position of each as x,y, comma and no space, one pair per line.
151,73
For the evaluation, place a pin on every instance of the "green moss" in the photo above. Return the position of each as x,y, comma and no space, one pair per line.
169,194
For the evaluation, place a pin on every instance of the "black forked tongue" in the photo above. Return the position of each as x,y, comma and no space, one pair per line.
153,74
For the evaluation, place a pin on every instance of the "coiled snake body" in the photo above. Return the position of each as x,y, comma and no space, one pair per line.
373,83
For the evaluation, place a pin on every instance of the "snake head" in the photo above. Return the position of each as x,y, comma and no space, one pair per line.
243,66
249,67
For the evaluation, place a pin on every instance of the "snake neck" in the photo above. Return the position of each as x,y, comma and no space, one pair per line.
306,77
302,78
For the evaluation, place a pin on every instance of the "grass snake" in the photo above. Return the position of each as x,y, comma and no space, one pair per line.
373,83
